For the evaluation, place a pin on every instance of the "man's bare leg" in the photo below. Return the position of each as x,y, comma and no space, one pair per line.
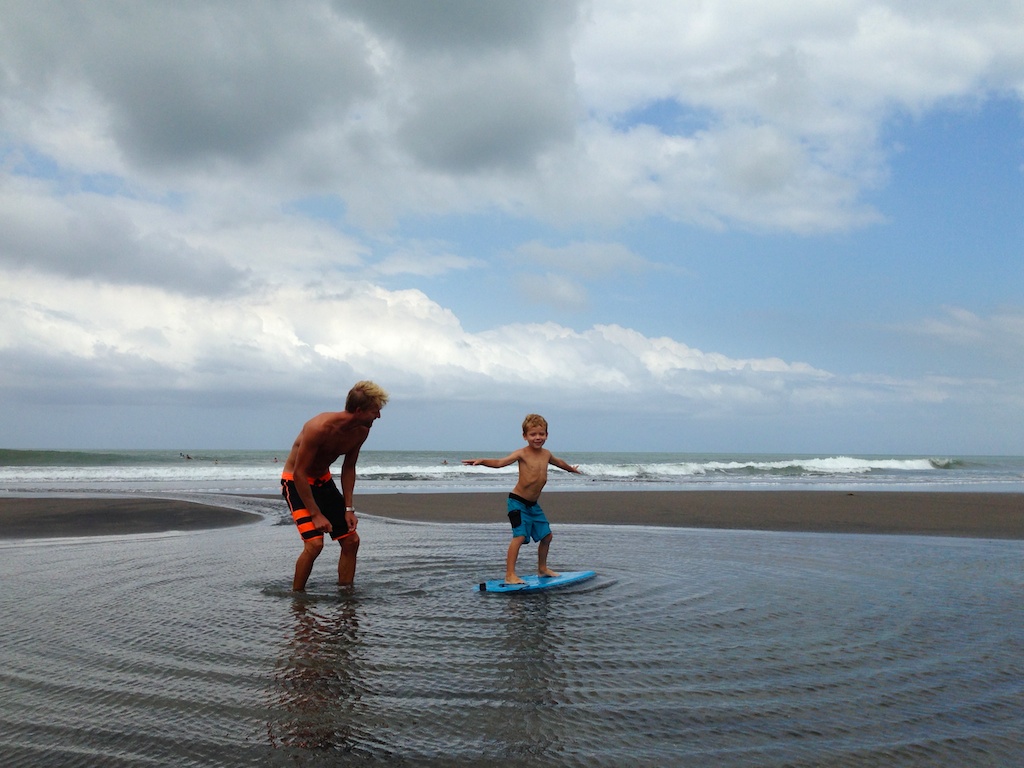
304,565
347,560
542,557
510,561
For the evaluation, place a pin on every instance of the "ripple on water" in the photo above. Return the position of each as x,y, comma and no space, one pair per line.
693,647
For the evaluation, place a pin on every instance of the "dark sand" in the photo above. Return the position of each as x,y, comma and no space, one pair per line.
29,518
976,515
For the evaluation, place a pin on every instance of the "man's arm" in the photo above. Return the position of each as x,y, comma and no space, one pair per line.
348,484
305,454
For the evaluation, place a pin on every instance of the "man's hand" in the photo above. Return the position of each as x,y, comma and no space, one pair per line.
352,520
320,522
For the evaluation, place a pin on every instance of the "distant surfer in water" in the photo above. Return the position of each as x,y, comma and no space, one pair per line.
316,504
524,513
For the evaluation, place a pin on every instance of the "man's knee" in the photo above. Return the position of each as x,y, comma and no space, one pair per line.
313,547
350,543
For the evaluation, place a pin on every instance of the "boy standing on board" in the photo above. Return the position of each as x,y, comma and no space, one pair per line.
316,504
524,513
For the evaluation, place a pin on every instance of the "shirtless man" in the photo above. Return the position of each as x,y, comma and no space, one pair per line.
524,513
316,504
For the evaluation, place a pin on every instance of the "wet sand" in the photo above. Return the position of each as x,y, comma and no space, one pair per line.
975,515
30,518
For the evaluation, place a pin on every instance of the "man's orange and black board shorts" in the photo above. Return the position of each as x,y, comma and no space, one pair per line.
327,497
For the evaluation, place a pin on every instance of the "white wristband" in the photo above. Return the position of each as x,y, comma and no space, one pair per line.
350,509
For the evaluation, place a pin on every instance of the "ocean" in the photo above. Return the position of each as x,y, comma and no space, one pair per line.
690,648
224,471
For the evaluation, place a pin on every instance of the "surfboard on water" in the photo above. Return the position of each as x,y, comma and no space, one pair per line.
535,583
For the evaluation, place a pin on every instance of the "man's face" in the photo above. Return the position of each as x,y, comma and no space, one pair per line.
368,416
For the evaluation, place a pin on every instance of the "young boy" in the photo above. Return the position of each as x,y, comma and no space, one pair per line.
524,513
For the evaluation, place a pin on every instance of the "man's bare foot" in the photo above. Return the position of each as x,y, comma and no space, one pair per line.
513,579
548,573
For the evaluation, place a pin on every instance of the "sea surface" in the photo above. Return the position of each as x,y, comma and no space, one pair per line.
442,471
690,648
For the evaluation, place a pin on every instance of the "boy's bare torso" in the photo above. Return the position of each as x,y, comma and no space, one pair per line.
533,472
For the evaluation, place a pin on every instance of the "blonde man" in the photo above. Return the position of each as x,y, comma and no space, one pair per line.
316,504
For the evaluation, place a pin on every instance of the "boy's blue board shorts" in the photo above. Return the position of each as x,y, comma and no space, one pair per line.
527,518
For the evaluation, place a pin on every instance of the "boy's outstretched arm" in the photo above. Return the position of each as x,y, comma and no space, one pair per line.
512,458
557,462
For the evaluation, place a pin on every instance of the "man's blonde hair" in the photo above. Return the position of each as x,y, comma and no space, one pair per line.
534,420
365,396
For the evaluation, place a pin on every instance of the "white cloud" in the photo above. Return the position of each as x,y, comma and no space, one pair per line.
595,259
423,259
160,167
209,344
788,100
1002,333
553,290
536,115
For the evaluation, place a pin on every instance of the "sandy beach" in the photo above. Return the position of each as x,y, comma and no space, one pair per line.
45,517
976,515
980,515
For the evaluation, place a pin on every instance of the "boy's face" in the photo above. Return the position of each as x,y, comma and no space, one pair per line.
536,436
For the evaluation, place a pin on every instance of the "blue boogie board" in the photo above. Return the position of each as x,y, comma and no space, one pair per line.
535,583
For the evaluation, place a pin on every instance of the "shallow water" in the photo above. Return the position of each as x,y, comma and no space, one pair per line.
718,648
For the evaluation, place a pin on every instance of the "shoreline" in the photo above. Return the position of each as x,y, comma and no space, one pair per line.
925,513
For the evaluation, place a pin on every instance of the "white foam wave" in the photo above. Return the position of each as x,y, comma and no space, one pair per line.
837,465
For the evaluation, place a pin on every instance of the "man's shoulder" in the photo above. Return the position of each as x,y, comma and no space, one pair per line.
327,426
325,419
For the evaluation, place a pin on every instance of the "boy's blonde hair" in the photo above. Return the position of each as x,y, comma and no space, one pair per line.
534,420
365,396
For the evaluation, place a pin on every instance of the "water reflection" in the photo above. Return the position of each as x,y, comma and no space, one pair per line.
318,688
532,681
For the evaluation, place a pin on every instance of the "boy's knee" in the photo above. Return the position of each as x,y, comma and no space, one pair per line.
350,543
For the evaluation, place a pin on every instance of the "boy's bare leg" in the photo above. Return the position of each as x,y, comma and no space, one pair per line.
510,561
542,557
347,560
304,565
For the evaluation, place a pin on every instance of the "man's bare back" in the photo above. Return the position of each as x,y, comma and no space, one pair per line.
323,439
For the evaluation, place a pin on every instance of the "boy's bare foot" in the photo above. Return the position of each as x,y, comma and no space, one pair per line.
513,579
547,572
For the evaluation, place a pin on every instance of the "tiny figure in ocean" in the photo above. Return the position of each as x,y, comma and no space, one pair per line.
524,513
316,504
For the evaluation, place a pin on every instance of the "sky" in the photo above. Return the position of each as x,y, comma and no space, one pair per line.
704,226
